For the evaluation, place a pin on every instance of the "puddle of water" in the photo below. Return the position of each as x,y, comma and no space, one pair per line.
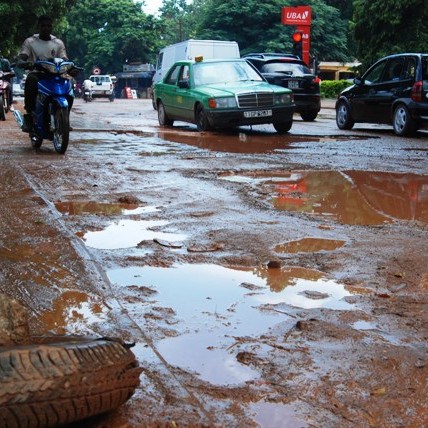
235,141
310,245
73,313
273,415
215,304
364,325
91,207
348,197
128,234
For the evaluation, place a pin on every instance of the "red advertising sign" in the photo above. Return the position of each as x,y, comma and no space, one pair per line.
300,15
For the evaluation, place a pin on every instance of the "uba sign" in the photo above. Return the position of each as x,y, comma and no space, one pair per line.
300,15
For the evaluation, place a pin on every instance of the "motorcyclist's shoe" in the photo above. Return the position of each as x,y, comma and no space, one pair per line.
27,126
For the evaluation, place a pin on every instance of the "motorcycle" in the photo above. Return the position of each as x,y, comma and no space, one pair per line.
87,95
51,117
5,92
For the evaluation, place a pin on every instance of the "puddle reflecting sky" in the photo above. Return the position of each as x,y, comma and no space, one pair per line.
309,245
348,197
273,415
213,304
73,313
92,207
128,234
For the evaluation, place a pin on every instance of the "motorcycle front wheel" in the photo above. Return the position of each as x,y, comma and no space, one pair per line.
2,109
62,130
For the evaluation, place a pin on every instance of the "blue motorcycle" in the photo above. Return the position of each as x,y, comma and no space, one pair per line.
51,118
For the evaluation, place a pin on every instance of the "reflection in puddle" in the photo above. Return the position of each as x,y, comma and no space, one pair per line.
235,141
310,245
73,313
273,415
128,234
91,207
217,304
348,197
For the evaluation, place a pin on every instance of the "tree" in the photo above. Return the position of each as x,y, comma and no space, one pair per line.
19,20
256,26
383,28
109,33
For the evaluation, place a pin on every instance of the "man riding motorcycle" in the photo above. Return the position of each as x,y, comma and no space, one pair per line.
39,46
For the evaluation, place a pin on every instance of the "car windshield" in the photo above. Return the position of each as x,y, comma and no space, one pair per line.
224,72
286,68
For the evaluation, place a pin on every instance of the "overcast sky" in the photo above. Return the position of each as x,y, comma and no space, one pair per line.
152,6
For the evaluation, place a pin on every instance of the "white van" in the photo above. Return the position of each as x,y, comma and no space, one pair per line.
189,49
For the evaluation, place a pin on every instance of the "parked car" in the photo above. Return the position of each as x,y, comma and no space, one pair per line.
102,86
393,91
189,50
221,94
290,72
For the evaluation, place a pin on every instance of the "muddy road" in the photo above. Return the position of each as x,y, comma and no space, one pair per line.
266,280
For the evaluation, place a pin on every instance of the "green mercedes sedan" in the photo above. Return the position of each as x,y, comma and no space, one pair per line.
221,94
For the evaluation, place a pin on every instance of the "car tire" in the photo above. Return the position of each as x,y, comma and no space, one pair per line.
309,116
343,116
202,122
163,118
283,127
59,380
402,122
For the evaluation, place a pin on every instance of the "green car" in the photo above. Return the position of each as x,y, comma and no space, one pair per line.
221,94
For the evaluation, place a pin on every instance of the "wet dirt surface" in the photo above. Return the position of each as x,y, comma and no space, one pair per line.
266,280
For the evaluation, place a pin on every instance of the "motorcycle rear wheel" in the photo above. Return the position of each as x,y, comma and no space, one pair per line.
58,380
2,109
62,130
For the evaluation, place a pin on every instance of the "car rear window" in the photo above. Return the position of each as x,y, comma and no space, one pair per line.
425,68
286,68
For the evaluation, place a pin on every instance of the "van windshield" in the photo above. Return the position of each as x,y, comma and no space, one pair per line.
224,72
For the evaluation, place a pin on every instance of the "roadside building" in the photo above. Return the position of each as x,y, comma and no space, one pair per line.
136,76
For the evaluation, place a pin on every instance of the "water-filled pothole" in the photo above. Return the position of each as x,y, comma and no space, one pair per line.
92,207
74,312
129,233
310,245
348,197
213,305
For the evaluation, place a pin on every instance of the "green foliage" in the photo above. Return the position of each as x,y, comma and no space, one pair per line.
257,27
382,28
332,88
19,20
109,33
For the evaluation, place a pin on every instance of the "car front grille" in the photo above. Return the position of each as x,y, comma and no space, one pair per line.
255,99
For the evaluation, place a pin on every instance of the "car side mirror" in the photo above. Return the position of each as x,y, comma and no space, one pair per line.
184,84
358,81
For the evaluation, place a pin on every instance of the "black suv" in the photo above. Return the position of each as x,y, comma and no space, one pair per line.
393,91
290,72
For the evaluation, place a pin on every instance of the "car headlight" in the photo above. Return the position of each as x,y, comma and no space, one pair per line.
283,99
225,102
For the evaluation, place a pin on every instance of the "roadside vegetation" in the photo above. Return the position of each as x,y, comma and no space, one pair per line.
108,33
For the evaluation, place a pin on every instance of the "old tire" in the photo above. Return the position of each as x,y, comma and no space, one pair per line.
163,118
63,380
283,127
403,123
343,116
201,119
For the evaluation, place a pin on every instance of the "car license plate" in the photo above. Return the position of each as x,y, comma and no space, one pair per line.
293,84
259,113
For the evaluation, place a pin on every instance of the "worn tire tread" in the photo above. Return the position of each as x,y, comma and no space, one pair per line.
56,383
